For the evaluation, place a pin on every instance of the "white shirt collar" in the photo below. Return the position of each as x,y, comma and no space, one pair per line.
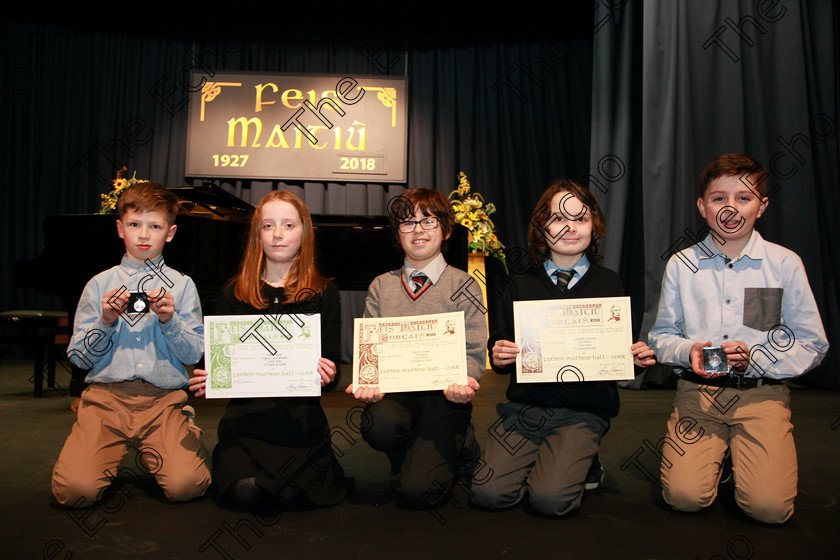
433,270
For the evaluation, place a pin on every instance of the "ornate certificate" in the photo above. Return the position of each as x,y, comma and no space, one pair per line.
418,353
262,355
584,339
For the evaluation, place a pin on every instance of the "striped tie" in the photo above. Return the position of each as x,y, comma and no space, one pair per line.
563,278
420,280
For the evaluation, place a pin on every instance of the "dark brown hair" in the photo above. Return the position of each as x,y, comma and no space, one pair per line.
149,197
428,202
537,244
738,165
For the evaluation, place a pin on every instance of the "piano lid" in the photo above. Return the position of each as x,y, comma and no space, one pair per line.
212,201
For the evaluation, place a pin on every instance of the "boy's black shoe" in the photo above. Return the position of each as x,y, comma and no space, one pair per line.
595,476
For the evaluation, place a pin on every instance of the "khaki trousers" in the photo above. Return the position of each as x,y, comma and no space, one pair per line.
755,425
115,416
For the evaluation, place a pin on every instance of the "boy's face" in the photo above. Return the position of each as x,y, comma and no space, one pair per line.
281,231
568,232
421,246
145,234
731,207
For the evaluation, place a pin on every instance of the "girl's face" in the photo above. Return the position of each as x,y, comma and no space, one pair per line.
568,231
281,231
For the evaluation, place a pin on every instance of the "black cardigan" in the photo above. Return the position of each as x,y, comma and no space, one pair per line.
597,397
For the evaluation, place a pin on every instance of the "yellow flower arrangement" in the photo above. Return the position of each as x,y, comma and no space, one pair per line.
109,201
472,213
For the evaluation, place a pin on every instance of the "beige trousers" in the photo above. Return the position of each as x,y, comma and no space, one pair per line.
755,425
115,416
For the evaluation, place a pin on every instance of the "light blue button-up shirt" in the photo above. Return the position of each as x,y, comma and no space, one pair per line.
138,346
762,298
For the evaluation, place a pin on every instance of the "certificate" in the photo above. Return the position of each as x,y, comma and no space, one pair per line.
584,339
262,355
417,353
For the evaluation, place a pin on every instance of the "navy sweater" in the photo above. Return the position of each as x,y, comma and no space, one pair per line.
599,397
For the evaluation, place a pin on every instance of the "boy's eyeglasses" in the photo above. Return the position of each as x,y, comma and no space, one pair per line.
426,223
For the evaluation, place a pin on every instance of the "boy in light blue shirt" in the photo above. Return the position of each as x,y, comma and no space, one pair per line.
751,298
136,326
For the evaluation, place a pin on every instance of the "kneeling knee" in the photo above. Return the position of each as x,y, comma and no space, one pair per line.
487,496
382,435
186,486
687,498
549,504
770,511
78,494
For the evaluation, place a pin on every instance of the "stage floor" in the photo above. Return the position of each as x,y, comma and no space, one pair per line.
625,518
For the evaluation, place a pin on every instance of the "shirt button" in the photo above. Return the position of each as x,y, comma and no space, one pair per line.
727,301
138,338
726,336
141,365
731,265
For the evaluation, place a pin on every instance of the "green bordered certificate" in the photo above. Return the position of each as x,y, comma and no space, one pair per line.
262,355
584,339
417,353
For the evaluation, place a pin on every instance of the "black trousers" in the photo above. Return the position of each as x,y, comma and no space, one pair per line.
423,435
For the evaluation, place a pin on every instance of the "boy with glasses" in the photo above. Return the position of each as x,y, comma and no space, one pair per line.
423,433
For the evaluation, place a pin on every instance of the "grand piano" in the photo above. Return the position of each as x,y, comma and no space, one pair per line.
212,230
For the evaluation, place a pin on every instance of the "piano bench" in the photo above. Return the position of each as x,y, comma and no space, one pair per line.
44,330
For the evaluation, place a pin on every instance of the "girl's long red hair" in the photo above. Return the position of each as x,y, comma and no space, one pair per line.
303,280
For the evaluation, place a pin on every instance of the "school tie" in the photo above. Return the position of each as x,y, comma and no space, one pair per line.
563,278
420,280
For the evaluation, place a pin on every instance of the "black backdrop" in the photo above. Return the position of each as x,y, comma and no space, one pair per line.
629,94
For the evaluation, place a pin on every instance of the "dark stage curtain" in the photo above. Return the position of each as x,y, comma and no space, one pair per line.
753,77
635,101
79,103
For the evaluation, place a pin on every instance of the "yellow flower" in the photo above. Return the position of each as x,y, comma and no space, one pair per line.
473,213
109,201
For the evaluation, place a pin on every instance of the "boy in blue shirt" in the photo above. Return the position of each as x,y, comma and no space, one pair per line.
136,326
751,298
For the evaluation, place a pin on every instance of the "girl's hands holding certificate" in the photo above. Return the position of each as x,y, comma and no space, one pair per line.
326,369
198,382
